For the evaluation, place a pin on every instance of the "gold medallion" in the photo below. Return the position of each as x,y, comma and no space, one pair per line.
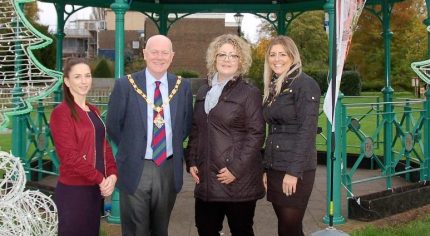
158,120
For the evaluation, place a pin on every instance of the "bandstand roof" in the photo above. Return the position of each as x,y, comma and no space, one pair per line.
190,6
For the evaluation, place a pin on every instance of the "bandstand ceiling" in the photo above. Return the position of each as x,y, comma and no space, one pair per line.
189,6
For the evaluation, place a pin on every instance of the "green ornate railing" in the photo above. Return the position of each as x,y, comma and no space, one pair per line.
406,143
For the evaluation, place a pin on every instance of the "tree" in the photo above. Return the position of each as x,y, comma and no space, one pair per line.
308,33
103,69
408,43
256,71
47,54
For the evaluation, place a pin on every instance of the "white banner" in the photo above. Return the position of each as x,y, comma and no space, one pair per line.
347,14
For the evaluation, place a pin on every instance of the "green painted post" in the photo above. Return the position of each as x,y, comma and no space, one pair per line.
337,217
119,7
344,129
163,22
60,8
408,122
425,175
282,29
19,127
388,95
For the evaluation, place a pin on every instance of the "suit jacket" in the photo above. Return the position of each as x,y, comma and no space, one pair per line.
127,127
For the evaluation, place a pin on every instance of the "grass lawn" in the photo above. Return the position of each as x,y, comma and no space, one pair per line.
414,228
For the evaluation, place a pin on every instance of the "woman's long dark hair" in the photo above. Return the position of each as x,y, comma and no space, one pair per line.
68,96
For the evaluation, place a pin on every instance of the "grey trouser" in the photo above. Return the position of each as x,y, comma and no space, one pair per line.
147,211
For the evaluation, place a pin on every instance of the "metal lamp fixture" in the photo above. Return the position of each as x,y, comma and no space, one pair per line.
238,18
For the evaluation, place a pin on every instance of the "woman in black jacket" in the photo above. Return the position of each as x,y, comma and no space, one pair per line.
290,107
224,146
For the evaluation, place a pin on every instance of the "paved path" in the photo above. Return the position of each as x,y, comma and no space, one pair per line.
182,220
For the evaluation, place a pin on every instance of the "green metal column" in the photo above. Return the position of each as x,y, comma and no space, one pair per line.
163,22
425,175
337,203
388,94
408,123
282,29
119,7
19,126
60,8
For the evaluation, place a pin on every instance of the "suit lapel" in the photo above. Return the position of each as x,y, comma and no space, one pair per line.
140,80
173,103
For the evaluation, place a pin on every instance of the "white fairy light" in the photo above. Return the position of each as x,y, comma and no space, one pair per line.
23,212
18,68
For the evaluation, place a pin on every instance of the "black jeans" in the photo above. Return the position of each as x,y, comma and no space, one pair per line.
210,216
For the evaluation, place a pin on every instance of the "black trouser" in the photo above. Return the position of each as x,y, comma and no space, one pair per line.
210,216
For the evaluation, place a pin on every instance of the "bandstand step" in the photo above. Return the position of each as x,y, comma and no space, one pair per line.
389,202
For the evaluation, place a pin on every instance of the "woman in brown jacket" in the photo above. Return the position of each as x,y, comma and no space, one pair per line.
224,147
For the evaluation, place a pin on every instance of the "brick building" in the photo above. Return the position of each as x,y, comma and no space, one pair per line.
190,36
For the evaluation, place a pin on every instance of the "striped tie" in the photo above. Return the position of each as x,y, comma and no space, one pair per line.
158,145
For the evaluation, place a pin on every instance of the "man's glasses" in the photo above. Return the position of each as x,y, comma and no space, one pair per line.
225,56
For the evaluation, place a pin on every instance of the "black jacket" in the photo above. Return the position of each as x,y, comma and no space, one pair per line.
231,136
293,121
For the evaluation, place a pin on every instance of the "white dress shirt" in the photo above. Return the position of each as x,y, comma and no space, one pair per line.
164,89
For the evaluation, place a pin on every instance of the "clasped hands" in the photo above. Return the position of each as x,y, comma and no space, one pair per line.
224,175
107,185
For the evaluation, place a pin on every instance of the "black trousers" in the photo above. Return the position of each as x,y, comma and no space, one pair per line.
210,216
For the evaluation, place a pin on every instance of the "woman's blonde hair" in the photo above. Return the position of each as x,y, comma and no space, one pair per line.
242,48
295,69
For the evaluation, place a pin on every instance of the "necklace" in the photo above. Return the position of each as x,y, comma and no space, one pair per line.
158,120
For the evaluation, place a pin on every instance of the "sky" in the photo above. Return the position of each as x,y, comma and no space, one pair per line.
48,16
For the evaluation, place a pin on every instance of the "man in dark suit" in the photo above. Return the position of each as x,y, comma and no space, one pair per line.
149,117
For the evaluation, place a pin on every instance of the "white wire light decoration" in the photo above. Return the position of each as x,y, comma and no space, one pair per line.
12,182
23,78
13,221
27,213
41,213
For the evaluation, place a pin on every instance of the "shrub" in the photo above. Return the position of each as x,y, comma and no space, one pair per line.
103,70
351,83
135,64
320,76
373,85
187,74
